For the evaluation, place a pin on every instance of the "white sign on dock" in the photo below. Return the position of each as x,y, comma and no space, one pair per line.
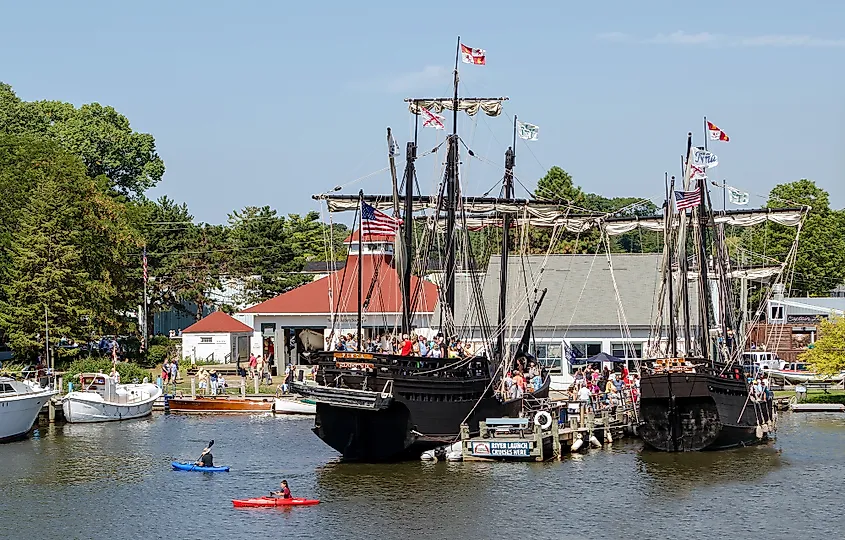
501,449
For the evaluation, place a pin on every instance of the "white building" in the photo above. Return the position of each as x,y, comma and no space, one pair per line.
217,338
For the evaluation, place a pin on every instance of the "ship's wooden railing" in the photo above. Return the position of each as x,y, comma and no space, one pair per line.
673,365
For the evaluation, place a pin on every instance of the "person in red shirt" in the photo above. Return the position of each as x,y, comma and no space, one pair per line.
406,345
284,492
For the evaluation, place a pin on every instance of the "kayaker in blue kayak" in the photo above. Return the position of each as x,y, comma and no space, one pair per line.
285,491
206,459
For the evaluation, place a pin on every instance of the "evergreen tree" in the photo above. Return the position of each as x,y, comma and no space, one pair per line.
45,266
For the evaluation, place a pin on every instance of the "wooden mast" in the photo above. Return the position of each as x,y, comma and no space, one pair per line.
451,197
360,269
507,193
667,226
408,230
683,264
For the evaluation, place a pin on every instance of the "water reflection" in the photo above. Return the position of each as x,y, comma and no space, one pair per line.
674,474
124,468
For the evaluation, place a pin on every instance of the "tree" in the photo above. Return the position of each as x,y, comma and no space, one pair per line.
99,135
262,257
820,260
557,186
828,353
46,267
270,251
167,232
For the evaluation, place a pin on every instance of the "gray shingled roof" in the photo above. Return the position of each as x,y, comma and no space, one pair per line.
582,283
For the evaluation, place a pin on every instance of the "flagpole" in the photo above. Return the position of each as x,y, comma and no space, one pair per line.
455,99
46,336
146,322
705,133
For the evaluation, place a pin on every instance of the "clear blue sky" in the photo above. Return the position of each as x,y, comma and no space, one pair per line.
256,103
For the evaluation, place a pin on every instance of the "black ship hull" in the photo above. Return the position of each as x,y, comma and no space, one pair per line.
398,409
685,411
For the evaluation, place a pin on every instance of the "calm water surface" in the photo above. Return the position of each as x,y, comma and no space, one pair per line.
114,481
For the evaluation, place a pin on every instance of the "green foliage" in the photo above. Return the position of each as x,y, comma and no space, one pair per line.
828,353
270,250
99,135
820,261
558,186
157,354
160,340
824,398
74,221
129,372
44,263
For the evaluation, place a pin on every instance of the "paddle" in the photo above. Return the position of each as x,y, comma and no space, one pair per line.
207,448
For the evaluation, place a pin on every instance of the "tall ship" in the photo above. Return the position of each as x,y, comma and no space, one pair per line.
381,406
696,393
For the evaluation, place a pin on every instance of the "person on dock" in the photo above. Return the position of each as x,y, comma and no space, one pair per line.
253,364
174,371
284,492
165,372
206,459
202,377
212,378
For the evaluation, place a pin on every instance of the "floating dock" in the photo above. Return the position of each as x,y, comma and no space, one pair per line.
817,407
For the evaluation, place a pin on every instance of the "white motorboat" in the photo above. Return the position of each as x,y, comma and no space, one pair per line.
797,372
20,403
103,399
293,406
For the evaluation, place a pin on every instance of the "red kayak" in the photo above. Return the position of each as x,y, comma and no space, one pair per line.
257,502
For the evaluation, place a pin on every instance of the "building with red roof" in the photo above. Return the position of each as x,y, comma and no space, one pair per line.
306,315
217,337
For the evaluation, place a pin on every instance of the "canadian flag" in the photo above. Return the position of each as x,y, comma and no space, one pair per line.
473,56
716,134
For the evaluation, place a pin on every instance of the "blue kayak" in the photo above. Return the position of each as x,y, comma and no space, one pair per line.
196,468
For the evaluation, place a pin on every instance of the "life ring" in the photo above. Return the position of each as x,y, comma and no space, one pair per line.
543,420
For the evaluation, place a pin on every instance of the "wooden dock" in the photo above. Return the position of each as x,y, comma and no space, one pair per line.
550,430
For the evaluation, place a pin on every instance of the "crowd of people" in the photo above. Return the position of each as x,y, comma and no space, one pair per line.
603,389
522,380
407,345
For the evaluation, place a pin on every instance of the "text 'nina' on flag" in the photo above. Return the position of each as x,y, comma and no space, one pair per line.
374,221
526,131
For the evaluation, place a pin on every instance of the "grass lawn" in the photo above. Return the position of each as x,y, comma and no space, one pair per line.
811,392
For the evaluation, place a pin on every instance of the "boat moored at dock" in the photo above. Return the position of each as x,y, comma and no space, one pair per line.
103,399
20,403
219,404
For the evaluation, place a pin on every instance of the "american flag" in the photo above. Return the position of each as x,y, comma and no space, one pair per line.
377,222
144,261
687,199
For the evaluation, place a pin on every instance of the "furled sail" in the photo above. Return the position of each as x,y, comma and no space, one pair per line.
471,106
483,212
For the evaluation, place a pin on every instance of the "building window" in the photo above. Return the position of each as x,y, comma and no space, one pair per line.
585,350
205,340
776,313
626,350
547,354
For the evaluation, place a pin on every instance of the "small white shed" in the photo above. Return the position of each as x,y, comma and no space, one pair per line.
217,338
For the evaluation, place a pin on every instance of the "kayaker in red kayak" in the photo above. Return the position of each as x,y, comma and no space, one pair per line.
285,491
